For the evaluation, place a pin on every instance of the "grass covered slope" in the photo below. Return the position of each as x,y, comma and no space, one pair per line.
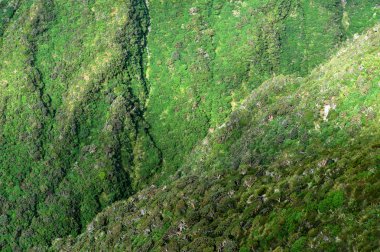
296,167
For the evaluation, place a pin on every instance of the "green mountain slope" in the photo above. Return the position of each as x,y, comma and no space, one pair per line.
72,100
208,55
101,99
296,167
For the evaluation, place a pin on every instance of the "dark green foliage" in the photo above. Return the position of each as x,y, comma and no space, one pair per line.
100,99
73,135
332,201
7,11
207,55
242,189
299,245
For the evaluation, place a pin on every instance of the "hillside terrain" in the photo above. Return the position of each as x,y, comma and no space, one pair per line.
295,167
213,125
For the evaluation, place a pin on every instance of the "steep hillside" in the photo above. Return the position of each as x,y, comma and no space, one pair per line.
72,100
101,99
208,55
296,167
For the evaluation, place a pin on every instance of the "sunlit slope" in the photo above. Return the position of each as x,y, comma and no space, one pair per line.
206,56
72,99
295,167
99,99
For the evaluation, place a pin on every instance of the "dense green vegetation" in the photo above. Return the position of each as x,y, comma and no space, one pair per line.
206,114
208,55
72,132
284,172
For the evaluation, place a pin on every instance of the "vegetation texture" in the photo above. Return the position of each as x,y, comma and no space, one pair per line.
216,125
295,167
